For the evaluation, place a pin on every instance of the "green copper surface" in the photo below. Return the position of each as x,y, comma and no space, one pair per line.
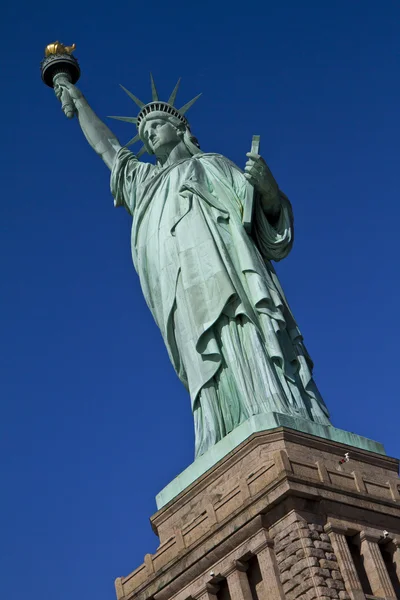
204,236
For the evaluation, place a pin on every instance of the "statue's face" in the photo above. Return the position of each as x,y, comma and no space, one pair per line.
160,135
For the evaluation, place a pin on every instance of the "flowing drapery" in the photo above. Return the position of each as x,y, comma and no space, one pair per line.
213,292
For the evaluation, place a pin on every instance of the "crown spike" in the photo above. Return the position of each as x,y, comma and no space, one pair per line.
174,92
154,93
126,119
188,105
133,140
132,97
142,151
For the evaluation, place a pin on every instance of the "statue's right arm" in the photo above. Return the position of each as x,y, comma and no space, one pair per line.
99,136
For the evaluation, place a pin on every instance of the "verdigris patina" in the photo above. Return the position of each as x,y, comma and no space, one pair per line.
210,286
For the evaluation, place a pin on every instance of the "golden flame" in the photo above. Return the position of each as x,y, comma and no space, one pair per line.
58,48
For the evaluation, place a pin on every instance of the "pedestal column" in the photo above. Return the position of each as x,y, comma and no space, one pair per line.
238,583
272,587
345,560
208,593
396,557
375,567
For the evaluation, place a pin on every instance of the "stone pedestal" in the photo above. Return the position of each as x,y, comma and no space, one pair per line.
279,517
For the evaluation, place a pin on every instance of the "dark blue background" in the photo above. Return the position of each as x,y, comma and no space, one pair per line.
94,419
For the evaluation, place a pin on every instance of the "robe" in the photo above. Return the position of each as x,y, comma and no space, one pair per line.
214,293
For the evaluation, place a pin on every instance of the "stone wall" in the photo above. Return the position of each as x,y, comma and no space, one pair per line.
307,564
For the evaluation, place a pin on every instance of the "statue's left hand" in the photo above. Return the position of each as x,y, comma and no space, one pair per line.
258,174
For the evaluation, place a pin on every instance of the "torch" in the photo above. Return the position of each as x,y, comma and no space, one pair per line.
58,65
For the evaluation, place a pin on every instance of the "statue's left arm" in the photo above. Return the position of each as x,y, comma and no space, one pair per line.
273,229
259,175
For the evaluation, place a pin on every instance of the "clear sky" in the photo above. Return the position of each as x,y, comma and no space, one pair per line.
94,420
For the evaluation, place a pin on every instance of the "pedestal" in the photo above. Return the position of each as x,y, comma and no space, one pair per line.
278,517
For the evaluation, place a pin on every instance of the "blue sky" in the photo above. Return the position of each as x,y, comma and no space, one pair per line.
95,421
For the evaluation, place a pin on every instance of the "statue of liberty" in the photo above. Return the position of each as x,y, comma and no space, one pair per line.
210,286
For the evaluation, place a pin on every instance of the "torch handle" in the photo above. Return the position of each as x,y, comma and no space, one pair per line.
67,103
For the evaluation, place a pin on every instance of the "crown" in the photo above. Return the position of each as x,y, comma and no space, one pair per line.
156,105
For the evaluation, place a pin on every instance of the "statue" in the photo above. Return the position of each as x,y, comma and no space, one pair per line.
210,286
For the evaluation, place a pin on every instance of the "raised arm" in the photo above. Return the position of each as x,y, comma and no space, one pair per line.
99,136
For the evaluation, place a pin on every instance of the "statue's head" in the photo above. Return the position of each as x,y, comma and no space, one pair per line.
160,125
161,132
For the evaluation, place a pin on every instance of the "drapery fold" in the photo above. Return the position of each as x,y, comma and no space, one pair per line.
213,291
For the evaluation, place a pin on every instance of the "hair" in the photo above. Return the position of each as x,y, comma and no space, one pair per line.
191,142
